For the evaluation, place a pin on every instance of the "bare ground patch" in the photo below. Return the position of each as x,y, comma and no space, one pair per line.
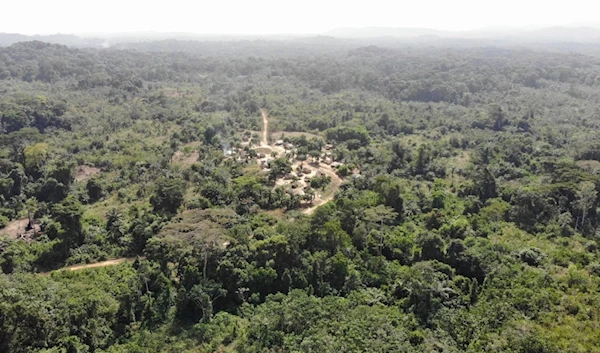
591,166
17,229
85,172
185,158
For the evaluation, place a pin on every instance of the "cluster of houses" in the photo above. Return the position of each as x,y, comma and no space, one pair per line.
298,181
264,160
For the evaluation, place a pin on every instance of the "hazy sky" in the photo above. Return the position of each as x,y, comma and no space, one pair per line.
280,16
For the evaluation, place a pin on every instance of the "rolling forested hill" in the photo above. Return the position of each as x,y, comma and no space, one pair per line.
298,196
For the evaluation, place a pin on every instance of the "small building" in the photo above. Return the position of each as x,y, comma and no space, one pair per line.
278,142
288,146
328,147
327,160
336,164
298,192
306,170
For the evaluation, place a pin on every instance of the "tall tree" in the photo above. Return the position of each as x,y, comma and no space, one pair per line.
586,198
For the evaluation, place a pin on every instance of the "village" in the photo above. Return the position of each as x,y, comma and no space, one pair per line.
314,177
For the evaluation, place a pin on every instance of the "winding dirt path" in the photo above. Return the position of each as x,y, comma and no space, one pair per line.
265,134
336,181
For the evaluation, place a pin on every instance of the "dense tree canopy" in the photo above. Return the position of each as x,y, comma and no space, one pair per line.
413,199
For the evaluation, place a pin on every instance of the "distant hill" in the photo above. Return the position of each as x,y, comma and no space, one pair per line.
583,38
560,34
509,35
7,39
378,32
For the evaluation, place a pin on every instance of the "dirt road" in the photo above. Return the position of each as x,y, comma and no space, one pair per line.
94,265
336,181
265,134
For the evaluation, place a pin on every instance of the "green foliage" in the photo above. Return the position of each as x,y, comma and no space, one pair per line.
94,190
279,167
320,181
168,196
465,219
353,137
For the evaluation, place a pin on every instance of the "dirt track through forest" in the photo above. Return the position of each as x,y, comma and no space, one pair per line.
265,117
94,265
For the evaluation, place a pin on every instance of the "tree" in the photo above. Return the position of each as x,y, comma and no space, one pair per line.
115,224
279,167
422,160
390,190
94,190
315,154
586,198
380,215
35,156
168,195
32,207
320,181
63,172
432,246
68,213
497,118
495,211
52,191
203,295
485,184
18,140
